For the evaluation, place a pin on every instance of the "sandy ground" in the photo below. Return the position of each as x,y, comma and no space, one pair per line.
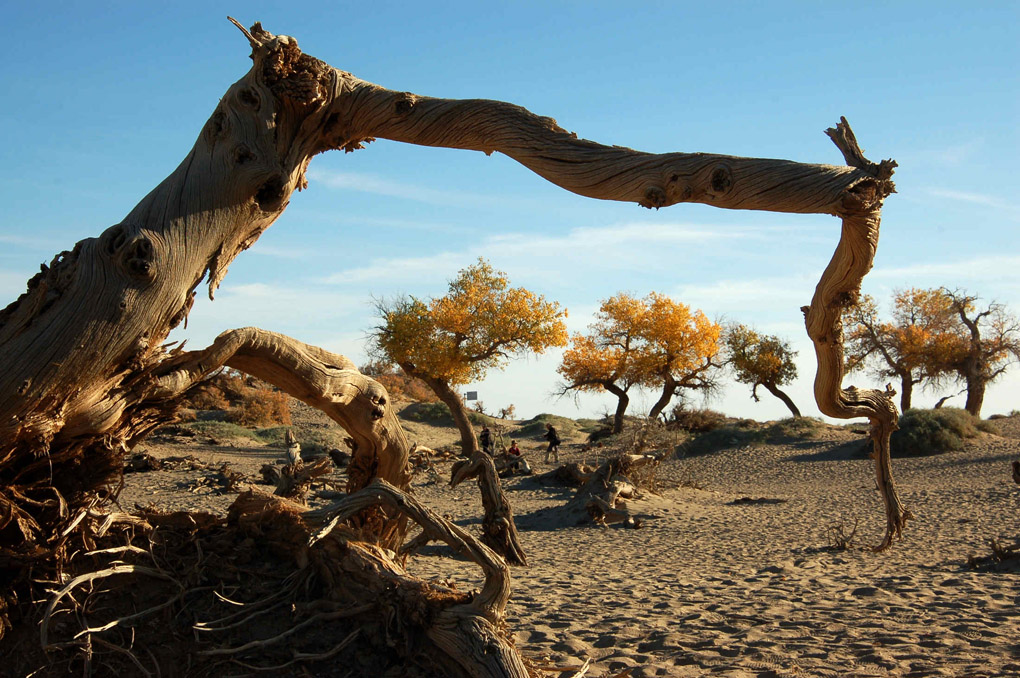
712,587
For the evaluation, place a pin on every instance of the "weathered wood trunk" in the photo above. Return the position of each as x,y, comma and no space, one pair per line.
499,532
622,401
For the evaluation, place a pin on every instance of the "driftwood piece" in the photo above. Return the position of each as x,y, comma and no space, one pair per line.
573,474
601,497
467,635
840,286
498,529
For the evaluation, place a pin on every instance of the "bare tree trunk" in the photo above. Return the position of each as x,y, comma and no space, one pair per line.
840,286
907,391
453,401
975,394
668,391
498,528
787,400
499,532
622,401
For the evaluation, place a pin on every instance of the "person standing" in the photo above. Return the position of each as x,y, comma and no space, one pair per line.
486,440
554,443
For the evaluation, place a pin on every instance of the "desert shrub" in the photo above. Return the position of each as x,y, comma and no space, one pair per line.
207,397
926,432
695,420
794,428
438,414
724,438
260,406
315,441
220,430
535,427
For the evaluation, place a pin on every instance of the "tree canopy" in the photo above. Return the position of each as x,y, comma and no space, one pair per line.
919,345
478,325
761,360
988,342
654,342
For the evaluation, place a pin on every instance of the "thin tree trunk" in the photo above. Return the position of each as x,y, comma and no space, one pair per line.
453,401
975,394
498,529
906,391
668,391
623,400
774,390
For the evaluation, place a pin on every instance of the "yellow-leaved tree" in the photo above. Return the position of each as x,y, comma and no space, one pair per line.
761,360
920,345
606,358
480,324
653,342
681,347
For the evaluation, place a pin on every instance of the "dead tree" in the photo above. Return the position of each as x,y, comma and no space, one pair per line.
602,497
498,529
85,372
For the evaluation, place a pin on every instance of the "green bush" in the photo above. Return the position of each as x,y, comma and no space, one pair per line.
697,420
221,430
727,437
438,414
535,427
795,428
927,432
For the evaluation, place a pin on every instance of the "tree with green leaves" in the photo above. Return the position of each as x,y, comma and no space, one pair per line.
761,360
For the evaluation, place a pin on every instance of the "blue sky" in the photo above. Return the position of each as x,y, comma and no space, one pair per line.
105,99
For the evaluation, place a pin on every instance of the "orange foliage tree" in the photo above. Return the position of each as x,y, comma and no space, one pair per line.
480,324
988,342
920,344
653,342
607,358
681,349
761,360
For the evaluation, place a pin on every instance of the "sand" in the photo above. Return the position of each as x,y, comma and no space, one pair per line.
713,584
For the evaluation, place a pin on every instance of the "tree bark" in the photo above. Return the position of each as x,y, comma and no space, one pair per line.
975,394
499,531
907,391
622,401
668,391
840,286
787,400
453,401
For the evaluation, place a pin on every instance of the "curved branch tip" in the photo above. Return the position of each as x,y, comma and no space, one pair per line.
252,40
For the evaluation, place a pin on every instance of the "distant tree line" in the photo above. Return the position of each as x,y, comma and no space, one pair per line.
934,338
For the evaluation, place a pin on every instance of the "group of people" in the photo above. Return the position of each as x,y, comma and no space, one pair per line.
487,442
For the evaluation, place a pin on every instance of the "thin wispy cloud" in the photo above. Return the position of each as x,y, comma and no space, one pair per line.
974,198
614,247
378,185
997,268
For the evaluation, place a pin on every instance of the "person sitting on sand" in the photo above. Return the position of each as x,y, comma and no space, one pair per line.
513,450
554,443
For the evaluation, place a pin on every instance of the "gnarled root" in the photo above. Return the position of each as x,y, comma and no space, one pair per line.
498,529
